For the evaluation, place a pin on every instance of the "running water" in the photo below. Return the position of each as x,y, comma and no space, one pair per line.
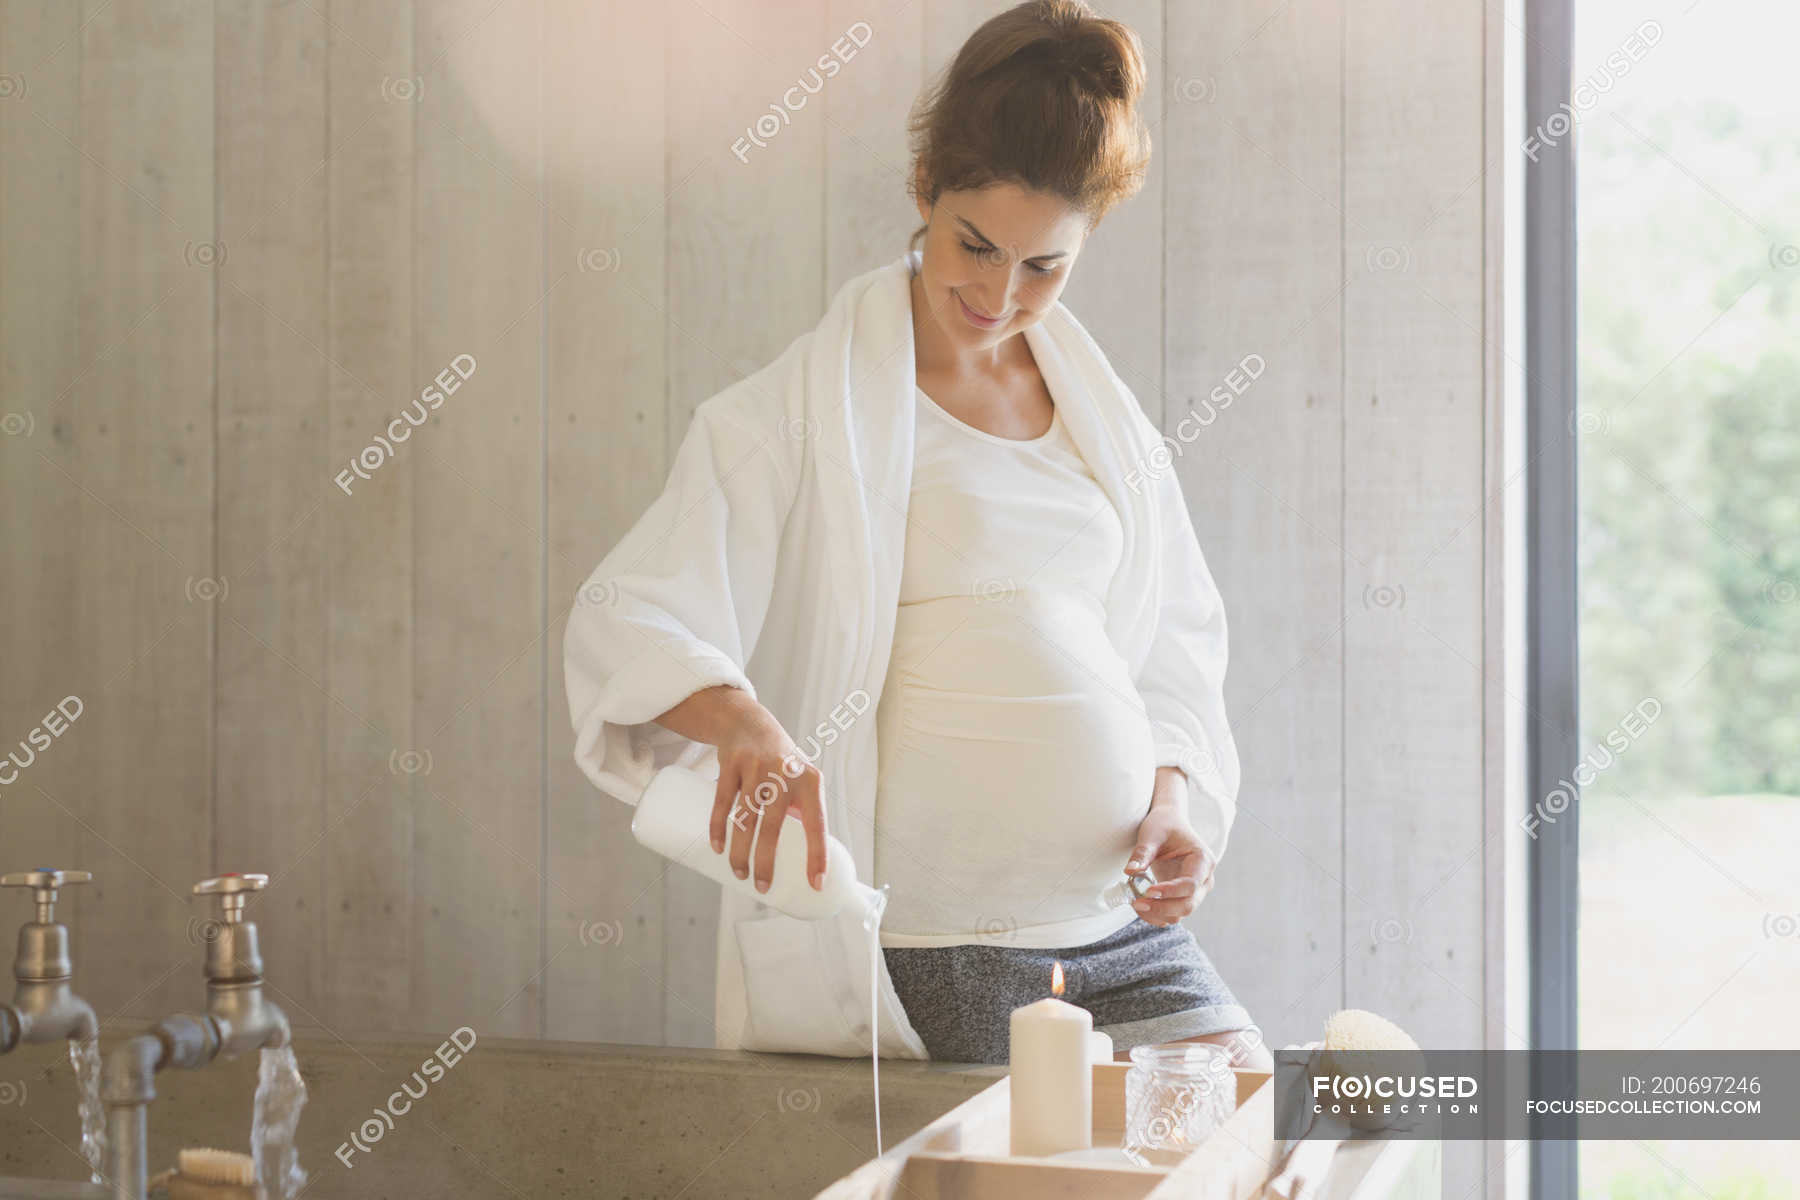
872,923
84,1056
280,1095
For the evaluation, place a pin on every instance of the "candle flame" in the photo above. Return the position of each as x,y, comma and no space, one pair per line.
1056,980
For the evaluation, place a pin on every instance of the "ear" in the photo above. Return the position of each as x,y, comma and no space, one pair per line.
921,190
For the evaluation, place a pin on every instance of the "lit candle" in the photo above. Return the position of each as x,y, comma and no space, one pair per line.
1052,1079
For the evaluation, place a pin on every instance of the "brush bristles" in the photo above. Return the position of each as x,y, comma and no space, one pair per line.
217,1166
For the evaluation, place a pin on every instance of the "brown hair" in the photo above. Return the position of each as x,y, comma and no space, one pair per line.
1043,95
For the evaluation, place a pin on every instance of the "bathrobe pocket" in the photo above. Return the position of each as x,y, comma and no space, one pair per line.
796,993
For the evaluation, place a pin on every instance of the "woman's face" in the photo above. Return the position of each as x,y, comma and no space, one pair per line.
995,259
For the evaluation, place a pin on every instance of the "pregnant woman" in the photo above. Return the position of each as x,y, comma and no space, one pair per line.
938,536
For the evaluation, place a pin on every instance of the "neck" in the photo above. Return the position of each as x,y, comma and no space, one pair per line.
936,354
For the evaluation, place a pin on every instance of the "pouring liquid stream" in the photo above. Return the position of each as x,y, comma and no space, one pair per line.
872,923
84,1056
275,1115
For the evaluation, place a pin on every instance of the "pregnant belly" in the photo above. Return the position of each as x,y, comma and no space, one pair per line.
1016,763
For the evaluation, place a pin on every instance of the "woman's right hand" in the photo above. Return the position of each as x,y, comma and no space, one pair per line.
762,778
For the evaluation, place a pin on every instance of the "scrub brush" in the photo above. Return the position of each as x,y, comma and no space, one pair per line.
1352,1030
210,1175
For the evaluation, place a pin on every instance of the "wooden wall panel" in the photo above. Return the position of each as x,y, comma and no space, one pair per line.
1118,287
367,853
745,236
868,214
392,729
477,523
1414,427
1252,268
137,438
269,694
948,24
608,455
40,506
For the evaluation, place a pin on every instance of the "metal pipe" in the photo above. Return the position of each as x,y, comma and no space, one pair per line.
127,1156
238,1019
127,1084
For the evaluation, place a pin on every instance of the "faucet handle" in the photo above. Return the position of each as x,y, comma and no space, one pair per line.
230,889
44,883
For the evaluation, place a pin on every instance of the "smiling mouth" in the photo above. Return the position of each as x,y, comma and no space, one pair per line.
986,322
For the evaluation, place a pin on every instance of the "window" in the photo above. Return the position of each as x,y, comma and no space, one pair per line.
1663,294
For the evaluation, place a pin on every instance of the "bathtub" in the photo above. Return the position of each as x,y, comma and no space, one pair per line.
518,1118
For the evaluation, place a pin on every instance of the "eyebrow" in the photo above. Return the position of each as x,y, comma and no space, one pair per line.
970,226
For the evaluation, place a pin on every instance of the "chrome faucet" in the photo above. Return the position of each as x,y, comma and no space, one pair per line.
234,992
238,1019
45,1007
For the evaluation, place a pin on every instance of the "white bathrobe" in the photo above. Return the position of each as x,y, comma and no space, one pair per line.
771,561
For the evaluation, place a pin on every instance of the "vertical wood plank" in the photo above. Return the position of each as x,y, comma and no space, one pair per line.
139,437
477,522
746,273
1252,268
269,698
1414,428
607,458
1116,291
374,95
868,213
40,329
948,24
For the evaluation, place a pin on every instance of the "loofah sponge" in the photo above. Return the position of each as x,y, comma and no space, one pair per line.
1358,1030
1348,1031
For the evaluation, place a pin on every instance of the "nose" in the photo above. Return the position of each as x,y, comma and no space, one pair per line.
1006,265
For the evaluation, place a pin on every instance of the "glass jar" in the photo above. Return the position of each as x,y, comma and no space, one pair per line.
1176,1095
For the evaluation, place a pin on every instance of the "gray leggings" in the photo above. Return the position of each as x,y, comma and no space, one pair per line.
1144,984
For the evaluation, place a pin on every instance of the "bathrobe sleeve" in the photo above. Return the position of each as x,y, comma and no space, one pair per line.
1182,680
677,604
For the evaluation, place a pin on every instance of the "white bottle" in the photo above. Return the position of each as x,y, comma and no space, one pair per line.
673,818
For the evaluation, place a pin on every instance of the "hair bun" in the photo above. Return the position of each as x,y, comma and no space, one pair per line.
1045,95
1106,69
1107,63
1104,56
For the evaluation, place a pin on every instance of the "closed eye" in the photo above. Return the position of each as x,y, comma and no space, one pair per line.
978,251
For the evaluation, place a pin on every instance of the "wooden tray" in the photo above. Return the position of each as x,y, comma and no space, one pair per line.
963,1155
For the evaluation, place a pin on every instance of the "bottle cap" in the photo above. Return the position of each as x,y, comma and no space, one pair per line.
1130,888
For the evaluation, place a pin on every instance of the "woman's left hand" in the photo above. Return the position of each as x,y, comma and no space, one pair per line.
1181,865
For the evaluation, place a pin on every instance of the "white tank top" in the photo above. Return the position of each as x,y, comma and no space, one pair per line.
1015,755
